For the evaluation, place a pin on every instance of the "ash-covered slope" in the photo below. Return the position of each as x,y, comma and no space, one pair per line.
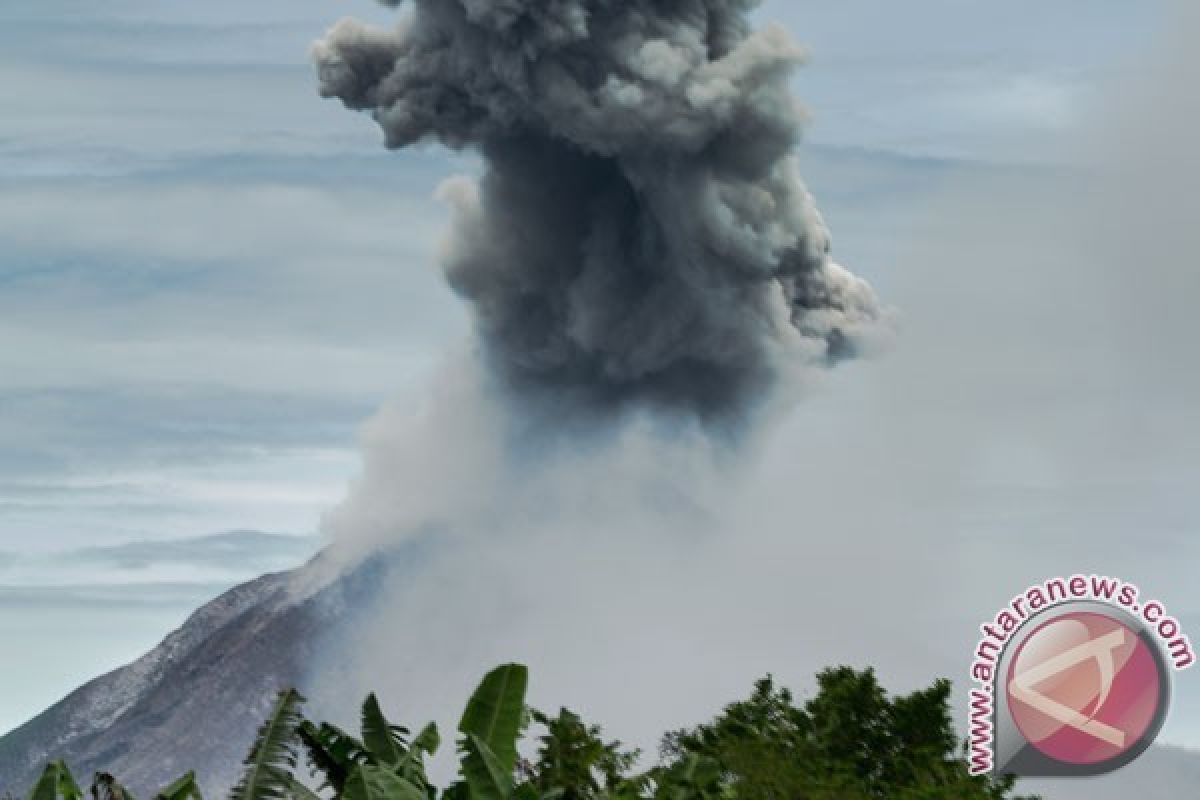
195,701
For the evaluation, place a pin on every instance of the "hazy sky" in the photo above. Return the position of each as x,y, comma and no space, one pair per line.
209,277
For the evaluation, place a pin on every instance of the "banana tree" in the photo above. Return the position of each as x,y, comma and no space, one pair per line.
185,788
272,759
56,783
371,766
387,763
384,764
490,726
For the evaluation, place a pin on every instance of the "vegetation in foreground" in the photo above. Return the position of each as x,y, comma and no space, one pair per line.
851,741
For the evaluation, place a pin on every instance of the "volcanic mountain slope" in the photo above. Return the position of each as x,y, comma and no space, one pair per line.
196,700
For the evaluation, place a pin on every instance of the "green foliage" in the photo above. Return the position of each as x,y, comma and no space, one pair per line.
574,760
332,753
850,741
272,758
364,768
185,788
370,782
495,713
485,773
426,743
56,782
385,742
490,726
691,777
298,791
759,743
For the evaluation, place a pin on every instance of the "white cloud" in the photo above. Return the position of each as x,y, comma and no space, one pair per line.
215,560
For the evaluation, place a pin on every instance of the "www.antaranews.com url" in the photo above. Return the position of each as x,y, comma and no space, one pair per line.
1036,599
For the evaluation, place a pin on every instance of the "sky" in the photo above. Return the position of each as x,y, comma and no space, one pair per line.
210,278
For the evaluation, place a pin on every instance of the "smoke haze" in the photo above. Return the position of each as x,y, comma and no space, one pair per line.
1036,416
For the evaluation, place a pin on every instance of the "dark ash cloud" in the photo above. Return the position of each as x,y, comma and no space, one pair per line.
641,231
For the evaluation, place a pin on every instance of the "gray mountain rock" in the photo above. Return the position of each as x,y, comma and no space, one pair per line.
195,700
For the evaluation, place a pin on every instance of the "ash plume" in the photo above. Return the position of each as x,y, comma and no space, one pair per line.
640,231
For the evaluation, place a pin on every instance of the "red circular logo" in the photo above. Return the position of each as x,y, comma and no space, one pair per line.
1084,688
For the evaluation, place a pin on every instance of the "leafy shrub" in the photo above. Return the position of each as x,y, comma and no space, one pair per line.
851,741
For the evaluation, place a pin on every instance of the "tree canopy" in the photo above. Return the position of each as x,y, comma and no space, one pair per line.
850,741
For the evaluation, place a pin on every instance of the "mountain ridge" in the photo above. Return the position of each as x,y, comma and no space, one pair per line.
195,700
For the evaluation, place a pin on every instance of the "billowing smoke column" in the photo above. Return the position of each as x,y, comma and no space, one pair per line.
640,231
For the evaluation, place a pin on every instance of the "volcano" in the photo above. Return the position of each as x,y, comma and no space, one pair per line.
195,700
